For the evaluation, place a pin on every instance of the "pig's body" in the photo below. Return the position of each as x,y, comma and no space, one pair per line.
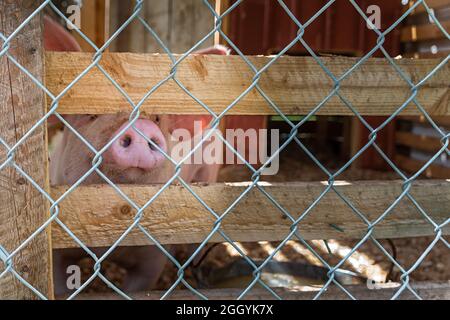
131,159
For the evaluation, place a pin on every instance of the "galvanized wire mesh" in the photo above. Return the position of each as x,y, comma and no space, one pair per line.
7,257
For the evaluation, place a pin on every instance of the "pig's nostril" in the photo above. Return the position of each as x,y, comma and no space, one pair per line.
151,146
125,142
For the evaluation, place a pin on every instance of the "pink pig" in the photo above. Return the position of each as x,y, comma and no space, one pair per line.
131,159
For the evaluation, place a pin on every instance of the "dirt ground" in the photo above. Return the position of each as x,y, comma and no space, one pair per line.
367,262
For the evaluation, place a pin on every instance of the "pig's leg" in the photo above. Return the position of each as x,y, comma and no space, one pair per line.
62,260
208,174
144,265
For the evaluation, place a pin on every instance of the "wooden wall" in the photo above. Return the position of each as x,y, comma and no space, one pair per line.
179,23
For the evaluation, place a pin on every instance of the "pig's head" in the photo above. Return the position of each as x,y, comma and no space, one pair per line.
131,158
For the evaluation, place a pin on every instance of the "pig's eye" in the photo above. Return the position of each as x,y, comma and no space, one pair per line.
157,120
93,117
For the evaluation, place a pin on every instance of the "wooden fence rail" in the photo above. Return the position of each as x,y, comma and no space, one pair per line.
426,290
295,84
98,215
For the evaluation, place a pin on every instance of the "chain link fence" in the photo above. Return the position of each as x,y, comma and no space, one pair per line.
8,256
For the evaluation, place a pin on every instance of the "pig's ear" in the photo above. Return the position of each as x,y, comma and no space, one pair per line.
217,49
56,38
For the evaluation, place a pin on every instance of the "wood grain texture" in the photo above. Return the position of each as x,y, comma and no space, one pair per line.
221,7
22,208
191,21
426,55
157,15
419,142
98,216
426,290
412,165
94,23
295,84
424,32
432,4
440,121
180,24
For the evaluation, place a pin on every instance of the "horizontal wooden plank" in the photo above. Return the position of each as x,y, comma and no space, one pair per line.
441,13
98,215
418,142
432,4
295,84
430,49
412,165
426,290
423,32
426,55
440,121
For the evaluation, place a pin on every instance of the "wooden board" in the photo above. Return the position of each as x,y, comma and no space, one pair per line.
426,290
191,21
180,24
158,16
426,55
419,142
411,166
295,84
23,209
440,121
432,4
221,7
98,216
424,32
94,23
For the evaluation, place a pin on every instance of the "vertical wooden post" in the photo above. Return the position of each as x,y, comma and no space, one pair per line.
135,38
180,24
191,21
23,209
221,7
95,17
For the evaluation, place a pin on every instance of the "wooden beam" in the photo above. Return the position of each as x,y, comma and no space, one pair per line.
423,32
157,14
418,142
103,22
98,216
179,24
426,290
95,24
295,84
221,7
411,166
191,21
23,208
426,55
432,4
440,121
356,140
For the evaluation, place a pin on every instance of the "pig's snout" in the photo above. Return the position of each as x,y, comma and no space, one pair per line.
131,150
